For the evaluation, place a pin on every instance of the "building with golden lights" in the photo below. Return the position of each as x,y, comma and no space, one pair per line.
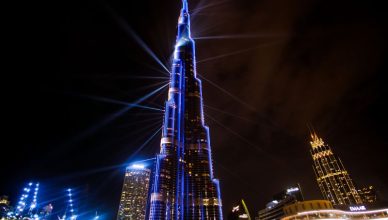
133,202
308,205
333,179
368,194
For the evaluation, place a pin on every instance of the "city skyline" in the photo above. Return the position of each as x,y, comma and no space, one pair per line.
267,70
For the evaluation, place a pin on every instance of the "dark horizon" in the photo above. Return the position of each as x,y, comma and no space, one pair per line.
278,67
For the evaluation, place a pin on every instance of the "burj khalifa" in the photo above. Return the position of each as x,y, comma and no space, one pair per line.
183,183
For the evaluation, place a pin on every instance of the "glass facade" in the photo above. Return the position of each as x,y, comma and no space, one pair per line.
184,186
333,179
134,194
368,194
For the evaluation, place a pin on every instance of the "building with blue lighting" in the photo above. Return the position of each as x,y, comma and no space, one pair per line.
134,195
184,186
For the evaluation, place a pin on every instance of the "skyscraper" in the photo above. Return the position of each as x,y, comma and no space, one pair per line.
184,186
333,179
134,195
368,194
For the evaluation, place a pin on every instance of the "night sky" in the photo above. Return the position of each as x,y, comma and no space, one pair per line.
270,69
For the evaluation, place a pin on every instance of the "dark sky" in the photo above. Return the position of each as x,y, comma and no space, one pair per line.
270,67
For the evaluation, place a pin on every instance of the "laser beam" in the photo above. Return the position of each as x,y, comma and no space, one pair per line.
108,100
128,30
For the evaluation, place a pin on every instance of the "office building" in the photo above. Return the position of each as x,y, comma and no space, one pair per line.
134,194
333,179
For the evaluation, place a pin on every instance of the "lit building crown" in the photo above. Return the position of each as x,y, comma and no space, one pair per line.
316,141
134,194
333,179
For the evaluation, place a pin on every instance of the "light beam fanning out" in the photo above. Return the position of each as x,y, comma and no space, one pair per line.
228,93
128,30
108,100
237,36
117,114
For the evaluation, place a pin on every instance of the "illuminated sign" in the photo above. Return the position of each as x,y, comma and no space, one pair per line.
243,216
138,166
290,190
235,209
357,208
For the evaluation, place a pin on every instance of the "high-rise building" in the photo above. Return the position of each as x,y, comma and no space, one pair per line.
184,186
134,195
333,179
368,194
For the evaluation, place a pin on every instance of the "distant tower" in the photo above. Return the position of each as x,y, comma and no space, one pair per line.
134,195
333,179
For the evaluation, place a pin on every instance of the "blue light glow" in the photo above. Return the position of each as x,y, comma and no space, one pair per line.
185,142
138,166
70,206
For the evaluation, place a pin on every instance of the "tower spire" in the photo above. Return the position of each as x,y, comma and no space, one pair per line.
184,186
184,18
185,6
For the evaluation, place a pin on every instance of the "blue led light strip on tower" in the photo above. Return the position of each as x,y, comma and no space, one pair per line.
23,199
184,186
70,207
34,202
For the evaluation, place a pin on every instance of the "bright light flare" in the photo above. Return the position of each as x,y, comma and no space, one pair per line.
138,166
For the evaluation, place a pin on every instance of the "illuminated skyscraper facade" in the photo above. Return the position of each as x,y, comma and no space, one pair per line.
134,195
333,179
368,194
184,186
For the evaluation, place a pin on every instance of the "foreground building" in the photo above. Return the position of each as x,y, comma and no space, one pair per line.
304,206
134,195
274,210
333,179
381,214
239,212
184,186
